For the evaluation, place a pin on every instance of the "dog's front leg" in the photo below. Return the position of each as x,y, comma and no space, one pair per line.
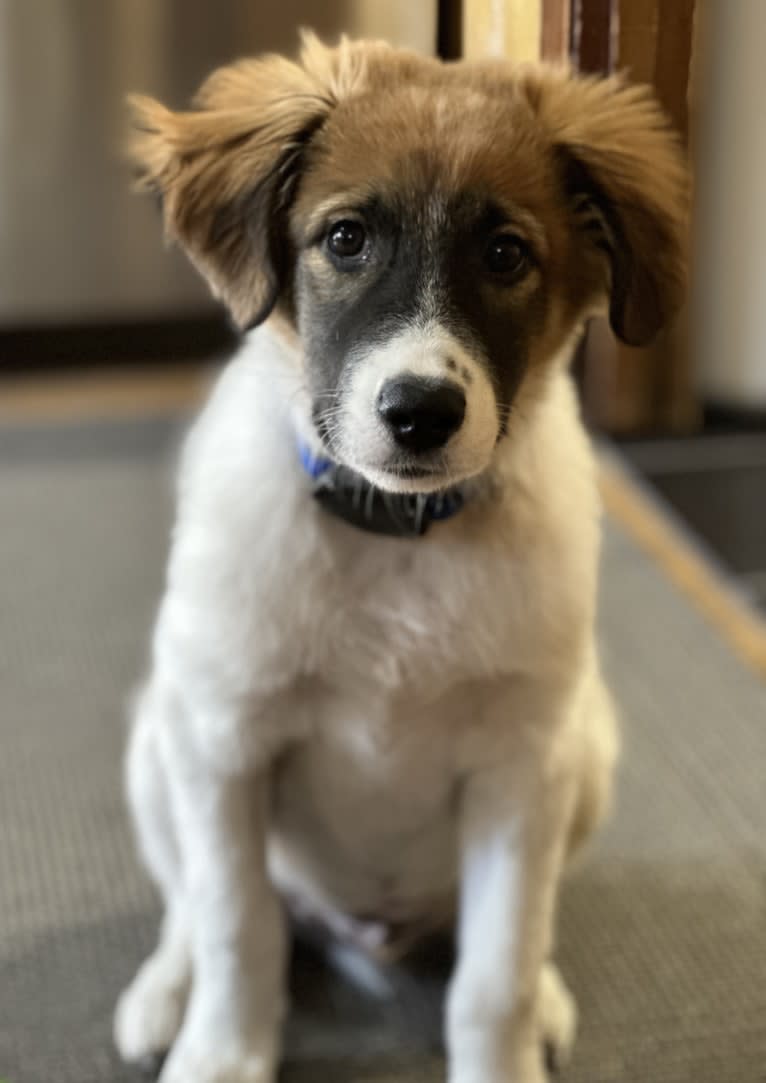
232,1027
513,835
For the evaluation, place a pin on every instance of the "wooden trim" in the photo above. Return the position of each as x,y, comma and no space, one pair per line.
502,28
556,43
738,624
105,394
449,42
637,38
655,47
675,35
42,347
595,44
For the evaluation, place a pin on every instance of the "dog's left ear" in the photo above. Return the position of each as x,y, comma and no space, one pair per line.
225,172
624,174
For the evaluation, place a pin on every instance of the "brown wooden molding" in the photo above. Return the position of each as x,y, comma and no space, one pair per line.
509,28
556,41
594,44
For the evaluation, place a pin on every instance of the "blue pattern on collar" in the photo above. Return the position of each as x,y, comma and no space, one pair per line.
314,465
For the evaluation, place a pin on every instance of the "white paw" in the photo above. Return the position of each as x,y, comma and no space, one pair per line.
150,1012
489,1063
212,1064
557,1017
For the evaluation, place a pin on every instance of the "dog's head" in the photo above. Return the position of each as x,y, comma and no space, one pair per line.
437,233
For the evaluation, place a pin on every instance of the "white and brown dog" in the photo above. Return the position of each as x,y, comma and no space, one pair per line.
375,686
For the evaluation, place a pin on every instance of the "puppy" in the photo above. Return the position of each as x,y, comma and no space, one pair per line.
375,690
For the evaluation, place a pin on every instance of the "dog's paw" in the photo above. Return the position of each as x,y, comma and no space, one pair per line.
149,1015
524,1066
189,1063
557,1018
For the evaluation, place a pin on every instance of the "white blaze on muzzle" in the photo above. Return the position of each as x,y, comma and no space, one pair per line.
371,437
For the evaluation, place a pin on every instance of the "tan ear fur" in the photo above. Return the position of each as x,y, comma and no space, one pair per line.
225,171
618,151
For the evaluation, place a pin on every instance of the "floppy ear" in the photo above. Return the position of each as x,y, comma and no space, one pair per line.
625,177
226,171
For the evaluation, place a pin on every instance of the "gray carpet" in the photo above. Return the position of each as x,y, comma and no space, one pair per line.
662,932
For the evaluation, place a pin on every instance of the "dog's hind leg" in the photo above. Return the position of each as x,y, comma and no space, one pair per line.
557,1015
557,1009
150,1011
599,751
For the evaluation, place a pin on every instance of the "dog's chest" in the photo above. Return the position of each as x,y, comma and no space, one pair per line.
411,617
365,805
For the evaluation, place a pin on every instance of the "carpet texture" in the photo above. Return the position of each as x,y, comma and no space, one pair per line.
662,930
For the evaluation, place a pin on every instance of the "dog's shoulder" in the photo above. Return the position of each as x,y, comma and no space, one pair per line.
241,530
242,438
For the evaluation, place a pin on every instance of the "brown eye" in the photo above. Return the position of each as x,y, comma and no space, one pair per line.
507,255
346,239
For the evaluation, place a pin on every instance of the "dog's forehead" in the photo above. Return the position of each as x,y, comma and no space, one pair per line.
433,147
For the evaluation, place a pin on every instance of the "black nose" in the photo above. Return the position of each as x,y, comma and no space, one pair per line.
421,414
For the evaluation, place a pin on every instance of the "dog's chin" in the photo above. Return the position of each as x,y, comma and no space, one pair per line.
394,471
405,478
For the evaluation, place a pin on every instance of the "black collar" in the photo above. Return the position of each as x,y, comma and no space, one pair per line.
343,492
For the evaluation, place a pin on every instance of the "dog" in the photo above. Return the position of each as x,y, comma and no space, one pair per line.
375,701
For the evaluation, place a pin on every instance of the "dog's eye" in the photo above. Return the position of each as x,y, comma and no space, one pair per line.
507,255
346,239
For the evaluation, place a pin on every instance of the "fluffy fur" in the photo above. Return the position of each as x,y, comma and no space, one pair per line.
373,729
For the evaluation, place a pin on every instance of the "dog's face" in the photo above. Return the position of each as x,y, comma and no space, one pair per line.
421,284
437,234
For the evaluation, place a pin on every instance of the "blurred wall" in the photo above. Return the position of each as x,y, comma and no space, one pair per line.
730,265
75,244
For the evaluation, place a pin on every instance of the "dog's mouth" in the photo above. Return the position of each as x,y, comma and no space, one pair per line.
393,473
395,476
369,451
414,472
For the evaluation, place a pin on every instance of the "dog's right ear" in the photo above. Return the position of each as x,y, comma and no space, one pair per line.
225,172
624,176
